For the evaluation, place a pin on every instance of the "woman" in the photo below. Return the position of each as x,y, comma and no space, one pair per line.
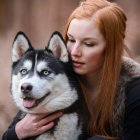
95,35
95,40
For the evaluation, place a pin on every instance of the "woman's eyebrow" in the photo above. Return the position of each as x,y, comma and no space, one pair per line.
69,35
90,39
84,39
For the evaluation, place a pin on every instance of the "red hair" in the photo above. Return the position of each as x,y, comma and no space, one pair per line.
111,22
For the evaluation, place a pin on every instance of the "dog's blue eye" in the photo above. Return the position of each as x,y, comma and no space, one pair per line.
23,71
45,72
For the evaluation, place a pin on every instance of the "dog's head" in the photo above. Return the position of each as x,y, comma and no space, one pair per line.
39,83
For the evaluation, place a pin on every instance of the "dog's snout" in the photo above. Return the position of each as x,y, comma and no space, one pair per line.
26,88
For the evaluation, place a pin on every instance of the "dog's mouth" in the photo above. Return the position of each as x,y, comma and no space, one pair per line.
30,102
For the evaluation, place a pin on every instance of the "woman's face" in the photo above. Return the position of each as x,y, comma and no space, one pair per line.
86,46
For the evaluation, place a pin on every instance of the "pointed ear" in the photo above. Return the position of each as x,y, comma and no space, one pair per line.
20,45
58,47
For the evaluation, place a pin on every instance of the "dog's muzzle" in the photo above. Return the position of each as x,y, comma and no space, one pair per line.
29,101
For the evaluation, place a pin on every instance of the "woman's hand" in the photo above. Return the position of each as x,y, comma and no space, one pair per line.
34,124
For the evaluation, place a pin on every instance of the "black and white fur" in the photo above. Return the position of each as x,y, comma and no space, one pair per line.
43,81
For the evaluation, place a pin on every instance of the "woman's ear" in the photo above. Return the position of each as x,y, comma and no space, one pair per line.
58,47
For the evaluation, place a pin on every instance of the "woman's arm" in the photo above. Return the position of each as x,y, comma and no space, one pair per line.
31,125
10,132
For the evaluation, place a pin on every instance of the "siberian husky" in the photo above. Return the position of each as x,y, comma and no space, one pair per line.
43,81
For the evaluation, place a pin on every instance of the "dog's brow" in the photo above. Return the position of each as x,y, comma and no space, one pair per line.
41,65
27,64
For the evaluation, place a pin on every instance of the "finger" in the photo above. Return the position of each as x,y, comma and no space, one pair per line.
46,127
36,117
50,118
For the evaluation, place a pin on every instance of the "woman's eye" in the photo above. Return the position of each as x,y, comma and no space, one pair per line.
71,40
23,71
89,44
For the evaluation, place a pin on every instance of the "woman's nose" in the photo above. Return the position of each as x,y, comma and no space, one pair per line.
76,50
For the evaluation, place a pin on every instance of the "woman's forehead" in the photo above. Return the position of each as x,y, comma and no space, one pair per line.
84,28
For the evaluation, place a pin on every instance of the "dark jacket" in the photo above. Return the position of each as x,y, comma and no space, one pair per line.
130,74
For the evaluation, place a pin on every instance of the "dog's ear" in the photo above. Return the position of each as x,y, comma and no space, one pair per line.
21,45
58,47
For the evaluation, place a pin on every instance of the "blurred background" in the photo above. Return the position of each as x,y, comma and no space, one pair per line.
38,19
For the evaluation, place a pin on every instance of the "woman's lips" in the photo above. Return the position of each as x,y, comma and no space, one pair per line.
77,64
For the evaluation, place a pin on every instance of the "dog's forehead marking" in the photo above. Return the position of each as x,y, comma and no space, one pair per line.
28,64
39,64
36,60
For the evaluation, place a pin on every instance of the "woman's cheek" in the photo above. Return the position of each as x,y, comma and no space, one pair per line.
69,48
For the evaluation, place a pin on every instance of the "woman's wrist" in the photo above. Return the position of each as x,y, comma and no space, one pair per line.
19,132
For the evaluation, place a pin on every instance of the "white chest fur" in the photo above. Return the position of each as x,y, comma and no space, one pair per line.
67,129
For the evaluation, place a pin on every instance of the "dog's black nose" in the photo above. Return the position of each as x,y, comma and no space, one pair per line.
26,87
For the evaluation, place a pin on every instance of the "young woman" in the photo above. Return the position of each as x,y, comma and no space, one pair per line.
95,35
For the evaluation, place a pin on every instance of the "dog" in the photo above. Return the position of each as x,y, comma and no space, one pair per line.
43,81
